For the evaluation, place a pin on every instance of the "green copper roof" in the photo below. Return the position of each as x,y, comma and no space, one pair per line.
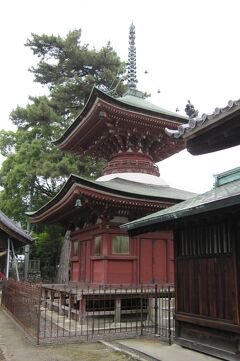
134,103
145,190
226,177
219,197
141,103
121,187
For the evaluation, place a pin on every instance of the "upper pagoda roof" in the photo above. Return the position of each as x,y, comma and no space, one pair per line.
104,115
135,103
211,132
8,229
118,191
132,99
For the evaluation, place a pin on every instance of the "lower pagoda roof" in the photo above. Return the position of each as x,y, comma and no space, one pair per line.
118,192
8,229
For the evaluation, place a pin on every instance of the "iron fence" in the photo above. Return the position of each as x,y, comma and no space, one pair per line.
23,301
55,313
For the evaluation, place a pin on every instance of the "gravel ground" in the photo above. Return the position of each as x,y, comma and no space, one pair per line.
14,346
2,358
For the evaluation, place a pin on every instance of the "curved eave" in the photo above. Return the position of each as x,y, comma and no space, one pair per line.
18,239
98,94
11,230
64,208
76,186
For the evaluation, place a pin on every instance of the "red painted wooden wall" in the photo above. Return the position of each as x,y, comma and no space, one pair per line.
149,260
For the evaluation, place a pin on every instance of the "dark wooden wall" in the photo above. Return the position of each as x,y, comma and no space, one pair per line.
205,268
207,284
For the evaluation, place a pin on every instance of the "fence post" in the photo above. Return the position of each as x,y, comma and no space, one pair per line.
156,311
39,314
3,292
141,304
169,317
93,298
117,314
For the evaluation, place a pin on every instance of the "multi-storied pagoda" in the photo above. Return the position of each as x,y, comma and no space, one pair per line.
128,132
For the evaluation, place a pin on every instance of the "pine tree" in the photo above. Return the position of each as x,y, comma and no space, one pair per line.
34,169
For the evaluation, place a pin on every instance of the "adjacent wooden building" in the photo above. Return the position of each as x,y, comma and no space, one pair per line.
210,132
12,237
206,244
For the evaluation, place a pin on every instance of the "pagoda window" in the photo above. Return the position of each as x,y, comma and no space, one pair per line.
98,245
120,245
75,248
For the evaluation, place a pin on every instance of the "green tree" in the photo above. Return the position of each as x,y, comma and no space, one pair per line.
33,166
70,70
46,248
34,169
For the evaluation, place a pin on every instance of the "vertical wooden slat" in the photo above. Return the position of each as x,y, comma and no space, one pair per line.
234,235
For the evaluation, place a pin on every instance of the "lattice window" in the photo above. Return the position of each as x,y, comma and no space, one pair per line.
75,248
120,245
98,245
206,240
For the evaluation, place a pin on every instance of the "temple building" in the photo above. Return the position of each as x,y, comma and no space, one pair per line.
210,132
128,132
206,243
12,237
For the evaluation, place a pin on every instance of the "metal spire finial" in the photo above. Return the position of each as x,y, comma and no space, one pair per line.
132,69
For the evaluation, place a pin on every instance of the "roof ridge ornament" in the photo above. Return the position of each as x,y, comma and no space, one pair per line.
190,110
196,121
131,66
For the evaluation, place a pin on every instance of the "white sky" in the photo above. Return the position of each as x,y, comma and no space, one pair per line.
190,49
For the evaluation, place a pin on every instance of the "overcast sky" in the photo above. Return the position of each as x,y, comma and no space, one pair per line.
189,48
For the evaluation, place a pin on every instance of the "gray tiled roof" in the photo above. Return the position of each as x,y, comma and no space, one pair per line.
14,231
219,197
204,120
